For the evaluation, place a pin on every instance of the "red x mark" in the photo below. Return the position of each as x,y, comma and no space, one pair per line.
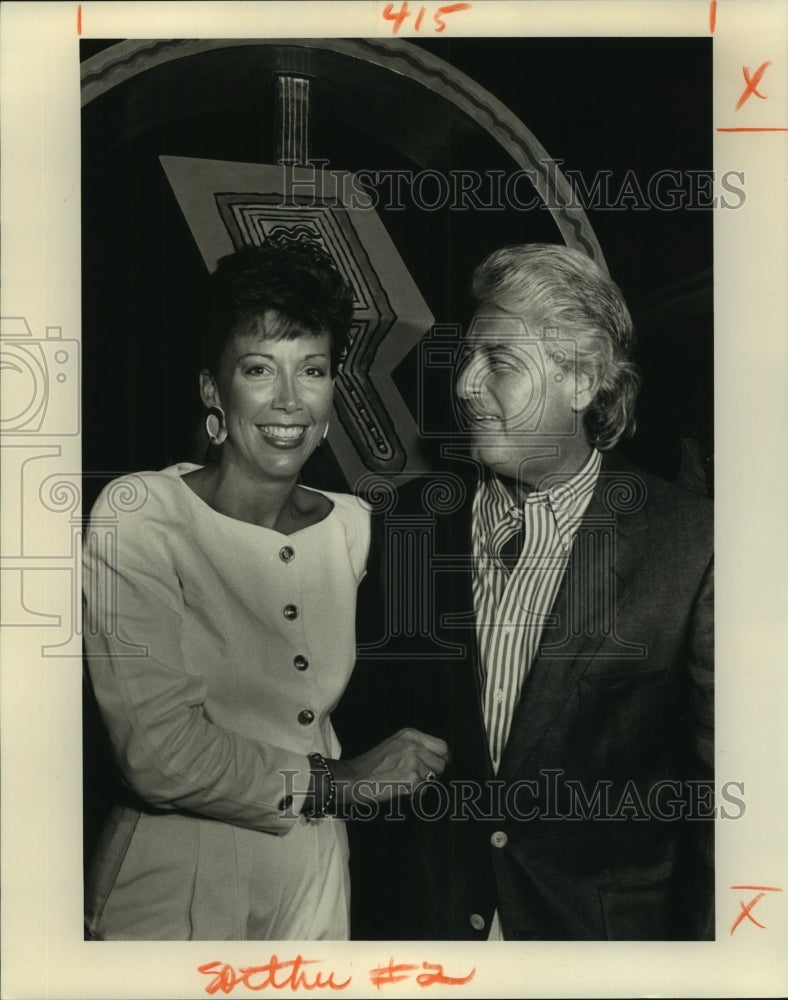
745,910
752,82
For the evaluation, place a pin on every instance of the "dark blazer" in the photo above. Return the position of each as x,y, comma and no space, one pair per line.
599,822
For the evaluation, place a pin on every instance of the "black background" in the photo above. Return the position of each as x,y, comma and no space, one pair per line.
596,104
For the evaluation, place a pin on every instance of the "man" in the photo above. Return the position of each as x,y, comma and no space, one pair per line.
564,650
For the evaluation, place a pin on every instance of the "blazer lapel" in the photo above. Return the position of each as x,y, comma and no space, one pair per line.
457,625
591,594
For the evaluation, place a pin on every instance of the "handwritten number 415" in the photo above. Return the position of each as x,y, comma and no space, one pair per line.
399,17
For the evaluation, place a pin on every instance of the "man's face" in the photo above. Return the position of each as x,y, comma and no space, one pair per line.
518,387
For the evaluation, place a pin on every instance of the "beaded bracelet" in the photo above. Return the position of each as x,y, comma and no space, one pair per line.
327,802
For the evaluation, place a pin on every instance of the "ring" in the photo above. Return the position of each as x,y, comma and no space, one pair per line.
430,776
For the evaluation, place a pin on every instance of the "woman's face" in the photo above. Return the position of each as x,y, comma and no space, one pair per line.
276,396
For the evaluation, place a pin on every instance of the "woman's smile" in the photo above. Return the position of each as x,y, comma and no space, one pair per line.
276,395
283,435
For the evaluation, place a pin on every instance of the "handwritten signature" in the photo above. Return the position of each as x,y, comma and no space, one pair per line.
280,974
275,975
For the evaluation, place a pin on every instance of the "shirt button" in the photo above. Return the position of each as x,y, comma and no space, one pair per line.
300,662
306,716
286,553
290,611
285,803
477,921
499,839
499,696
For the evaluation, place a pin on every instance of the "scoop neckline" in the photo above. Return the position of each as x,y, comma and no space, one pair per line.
189,467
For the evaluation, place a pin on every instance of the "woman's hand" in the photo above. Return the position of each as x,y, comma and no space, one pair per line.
393,767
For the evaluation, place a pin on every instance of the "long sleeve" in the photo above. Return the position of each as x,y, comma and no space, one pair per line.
169,748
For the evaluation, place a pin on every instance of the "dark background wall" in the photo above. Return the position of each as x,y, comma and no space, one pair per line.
615,105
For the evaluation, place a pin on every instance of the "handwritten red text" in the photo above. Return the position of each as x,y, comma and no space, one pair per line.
398,17
387,975
746,911
276,975
752,83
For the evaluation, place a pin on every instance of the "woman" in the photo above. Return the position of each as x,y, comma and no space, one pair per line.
220,635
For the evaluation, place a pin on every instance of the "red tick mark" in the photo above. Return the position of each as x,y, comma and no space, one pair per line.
712,16
752,83
79,19
746,910
752,129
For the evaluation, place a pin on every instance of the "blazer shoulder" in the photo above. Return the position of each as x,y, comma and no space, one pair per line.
669,509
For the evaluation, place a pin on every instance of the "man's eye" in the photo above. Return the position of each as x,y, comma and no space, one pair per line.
472,359
257,370
498,360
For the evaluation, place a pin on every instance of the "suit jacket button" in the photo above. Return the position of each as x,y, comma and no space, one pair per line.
290,611
285,803
499,839
286,553
477,921
300,662
306,716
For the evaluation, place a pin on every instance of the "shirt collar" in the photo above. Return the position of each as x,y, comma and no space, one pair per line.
567,494
567,499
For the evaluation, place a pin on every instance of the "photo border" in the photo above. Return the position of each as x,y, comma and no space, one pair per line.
43,950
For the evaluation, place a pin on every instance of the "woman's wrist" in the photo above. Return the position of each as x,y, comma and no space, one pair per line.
344,783
321,798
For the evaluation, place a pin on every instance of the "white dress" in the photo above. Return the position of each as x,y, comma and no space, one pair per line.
217,650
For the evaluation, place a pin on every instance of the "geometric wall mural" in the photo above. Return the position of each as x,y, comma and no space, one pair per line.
229,205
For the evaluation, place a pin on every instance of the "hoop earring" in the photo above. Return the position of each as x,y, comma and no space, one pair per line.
325,434
214,425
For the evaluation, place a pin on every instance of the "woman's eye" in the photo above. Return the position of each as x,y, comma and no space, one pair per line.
314,372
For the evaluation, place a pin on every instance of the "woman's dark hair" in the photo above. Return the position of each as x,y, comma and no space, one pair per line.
297,278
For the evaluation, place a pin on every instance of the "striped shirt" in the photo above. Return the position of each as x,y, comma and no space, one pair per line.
512,608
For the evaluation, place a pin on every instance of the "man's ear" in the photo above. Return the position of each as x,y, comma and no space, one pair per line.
208,391
586,385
